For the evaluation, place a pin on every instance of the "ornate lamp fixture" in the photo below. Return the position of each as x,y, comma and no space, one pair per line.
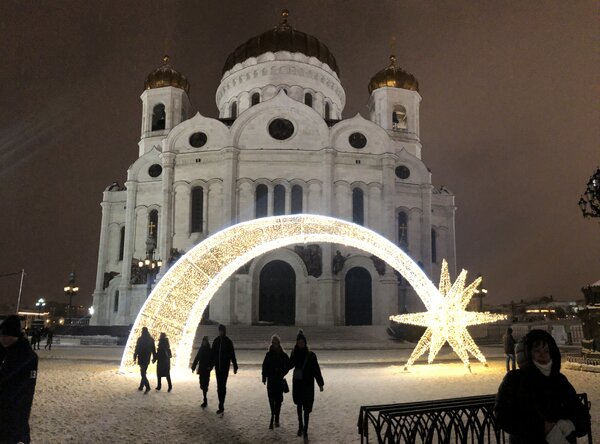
590,200
70,291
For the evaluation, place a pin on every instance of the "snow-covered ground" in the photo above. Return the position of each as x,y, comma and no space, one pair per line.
85,401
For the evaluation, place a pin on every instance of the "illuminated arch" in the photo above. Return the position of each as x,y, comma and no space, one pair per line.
176,304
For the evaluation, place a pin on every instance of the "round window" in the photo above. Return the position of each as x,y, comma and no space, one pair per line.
402,172
198,139
281,129
357,140
155,170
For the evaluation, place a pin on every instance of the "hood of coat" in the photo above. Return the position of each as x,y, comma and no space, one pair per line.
530,340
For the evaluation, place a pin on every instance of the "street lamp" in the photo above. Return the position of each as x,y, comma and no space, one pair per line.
40,304
589,202
71,290
149,265
480,293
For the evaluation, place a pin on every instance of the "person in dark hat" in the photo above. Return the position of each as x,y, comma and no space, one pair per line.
204,364
144,351
306,371
18,375
222,354
537,404
275,366
163,357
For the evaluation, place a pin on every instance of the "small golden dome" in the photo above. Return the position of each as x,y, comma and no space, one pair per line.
165,75
393,77
282,38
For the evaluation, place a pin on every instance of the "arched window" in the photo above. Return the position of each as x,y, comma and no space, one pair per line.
255,100
402,229
122,244
233,110
197,214
159,118
116,302
153,224
296,199
278,200
358,213
327,111
433,246
308,99
261,202
399,121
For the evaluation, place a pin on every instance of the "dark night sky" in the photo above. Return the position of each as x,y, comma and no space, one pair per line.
509,119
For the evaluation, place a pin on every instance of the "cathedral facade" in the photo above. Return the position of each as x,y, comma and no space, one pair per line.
279,146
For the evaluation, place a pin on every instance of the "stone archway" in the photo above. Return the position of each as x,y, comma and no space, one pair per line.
176,304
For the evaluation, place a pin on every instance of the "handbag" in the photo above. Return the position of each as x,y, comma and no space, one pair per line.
286,387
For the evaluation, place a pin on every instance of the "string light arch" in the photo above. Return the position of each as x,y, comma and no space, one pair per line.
176,304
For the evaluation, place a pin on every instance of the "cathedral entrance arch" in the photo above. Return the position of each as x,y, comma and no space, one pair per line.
176,304
358,297
277,294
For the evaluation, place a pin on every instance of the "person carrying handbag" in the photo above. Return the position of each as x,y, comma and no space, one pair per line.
275,367
306,371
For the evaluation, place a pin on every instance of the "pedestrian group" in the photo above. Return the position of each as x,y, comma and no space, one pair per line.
221,356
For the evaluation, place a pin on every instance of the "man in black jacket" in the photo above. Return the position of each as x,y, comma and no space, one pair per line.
222,354
18,374
144,351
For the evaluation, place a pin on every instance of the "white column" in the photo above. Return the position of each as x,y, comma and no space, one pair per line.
270,200
230,157
288,199
426,227
327,174
389,190
103,244
129,235
166,214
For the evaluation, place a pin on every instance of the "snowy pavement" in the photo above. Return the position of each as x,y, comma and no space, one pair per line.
80,398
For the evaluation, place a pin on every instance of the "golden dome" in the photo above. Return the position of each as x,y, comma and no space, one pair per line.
165,75
393,77
282,38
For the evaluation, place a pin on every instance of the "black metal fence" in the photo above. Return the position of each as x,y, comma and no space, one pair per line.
468,420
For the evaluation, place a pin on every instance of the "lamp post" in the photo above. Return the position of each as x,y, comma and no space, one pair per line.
149,265
70,291
589,202
40,304
480,293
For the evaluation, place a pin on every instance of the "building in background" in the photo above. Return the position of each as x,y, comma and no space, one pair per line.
279,146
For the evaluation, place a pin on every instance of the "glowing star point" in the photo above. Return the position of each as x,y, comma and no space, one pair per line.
447,320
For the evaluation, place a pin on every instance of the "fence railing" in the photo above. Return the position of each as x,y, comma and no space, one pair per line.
457,420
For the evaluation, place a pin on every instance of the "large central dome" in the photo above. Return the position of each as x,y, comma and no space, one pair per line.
282,38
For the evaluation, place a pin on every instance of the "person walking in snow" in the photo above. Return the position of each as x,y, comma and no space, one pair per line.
222,355
275,366
203,362
144,351
306,371
163,357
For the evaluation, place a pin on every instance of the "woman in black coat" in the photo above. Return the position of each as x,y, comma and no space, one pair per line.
204,364
275,367
537,404
163,356
306,370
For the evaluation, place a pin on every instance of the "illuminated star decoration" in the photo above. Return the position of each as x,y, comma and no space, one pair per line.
447,320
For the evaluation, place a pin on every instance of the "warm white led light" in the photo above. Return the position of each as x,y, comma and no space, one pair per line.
447,320
176,304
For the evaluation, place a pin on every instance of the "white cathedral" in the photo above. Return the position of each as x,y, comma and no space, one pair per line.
279,146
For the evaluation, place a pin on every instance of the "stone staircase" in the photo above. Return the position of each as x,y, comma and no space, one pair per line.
258,337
